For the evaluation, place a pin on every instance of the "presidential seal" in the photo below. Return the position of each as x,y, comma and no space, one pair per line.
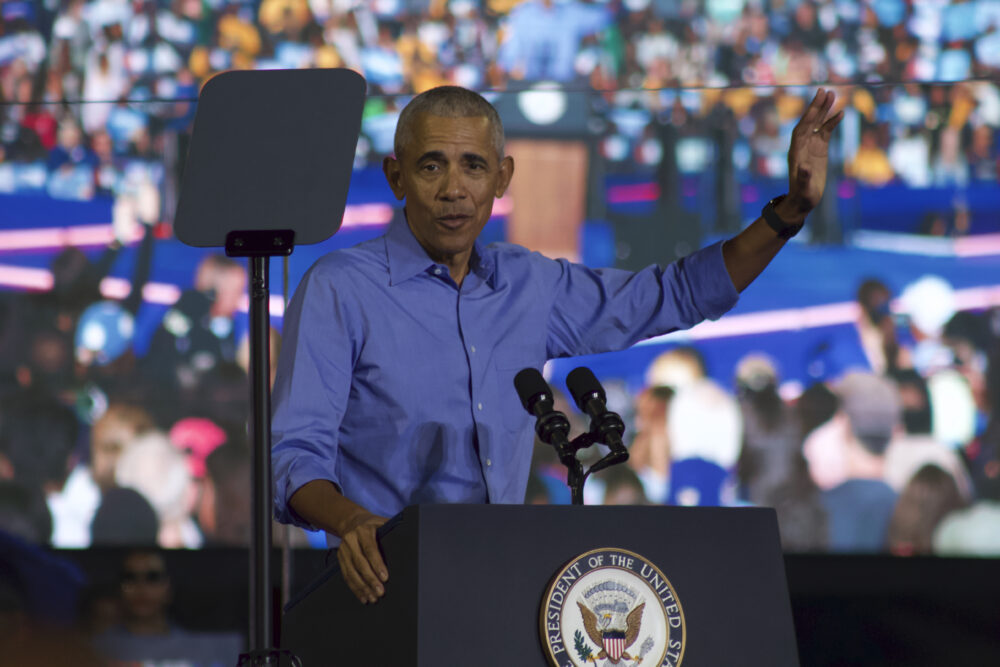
612,608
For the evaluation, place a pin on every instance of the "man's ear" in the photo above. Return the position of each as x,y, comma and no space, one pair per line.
393,174
506,173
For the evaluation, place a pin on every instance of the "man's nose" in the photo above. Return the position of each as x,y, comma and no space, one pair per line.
453,185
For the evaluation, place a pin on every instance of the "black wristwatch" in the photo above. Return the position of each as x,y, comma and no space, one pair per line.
783,229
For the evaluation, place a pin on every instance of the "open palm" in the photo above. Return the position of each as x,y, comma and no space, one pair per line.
809,151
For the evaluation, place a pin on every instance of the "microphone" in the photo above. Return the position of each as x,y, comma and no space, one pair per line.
552,426
591,399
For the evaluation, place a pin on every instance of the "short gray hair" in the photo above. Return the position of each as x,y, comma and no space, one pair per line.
447,102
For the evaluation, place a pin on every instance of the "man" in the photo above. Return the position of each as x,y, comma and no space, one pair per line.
860,508
396,383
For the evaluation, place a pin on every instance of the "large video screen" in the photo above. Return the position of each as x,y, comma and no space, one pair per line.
855,387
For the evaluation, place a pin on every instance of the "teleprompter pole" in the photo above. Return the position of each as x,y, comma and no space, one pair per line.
260,370
259,247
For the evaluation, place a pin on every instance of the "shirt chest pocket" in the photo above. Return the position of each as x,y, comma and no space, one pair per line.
507,364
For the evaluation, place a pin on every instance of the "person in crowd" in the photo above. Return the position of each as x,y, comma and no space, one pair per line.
111,435
970,338
537,492
622,487
916,446
243,352
871,162
929,303
649,453
815,406
771,435
676,368
156,469
860,507
38,436
197,333
929,496
337,464
24,513
223,510
974,530
534,49
877,329
705,428
124,518
147,630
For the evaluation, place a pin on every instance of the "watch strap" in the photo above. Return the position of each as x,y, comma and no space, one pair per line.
783,229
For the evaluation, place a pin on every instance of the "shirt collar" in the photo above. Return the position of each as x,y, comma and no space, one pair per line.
407,257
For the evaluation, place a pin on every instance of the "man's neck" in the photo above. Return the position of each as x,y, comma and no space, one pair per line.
862,464
457,264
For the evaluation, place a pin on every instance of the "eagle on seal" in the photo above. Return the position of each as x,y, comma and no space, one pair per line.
614,642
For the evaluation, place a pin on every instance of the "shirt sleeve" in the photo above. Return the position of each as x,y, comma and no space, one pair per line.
311,389
599,310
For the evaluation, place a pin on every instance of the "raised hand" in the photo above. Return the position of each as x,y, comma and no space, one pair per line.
809,151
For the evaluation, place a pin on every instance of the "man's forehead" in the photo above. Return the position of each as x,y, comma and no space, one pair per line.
466,134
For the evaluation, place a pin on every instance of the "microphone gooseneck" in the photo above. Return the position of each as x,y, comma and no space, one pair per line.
589,396
551,426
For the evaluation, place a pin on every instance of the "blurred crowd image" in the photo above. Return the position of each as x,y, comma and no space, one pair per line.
861,400
99,96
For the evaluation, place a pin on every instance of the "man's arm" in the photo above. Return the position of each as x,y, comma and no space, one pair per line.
322,505
749,252
310,396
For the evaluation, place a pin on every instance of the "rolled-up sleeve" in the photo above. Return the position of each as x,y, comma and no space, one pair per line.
599,310
311,389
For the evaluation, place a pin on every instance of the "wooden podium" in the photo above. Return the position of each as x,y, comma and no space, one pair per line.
467,582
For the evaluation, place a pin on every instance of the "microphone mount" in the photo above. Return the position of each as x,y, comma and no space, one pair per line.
552,426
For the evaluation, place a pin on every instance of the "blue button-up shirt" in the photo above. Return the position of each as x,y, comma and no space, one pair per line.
397,385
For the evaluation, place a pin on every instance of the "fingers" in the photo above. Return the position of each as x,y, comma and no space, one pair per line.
352,577
360,560
831,123
812,111
373,560
815,118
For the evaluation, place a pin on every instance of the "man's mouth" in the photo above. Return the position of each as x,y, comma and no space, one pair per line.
453,220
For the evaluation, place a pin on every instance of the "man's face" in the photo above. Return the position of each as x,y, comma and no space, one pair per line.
449,175
145,586
109,438
230,285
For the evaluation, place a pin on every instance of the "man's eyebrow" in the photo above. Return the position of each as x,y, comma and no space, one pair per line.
431,155
475,158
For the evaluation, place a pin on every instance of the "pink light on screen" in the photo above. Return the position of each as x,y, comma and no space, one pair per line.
977,246
25,278
635,192
86,236
59,237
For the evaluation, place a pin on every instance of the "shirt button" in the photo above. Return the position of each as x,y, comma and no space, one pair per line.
489,462
480,406
473,348
437,271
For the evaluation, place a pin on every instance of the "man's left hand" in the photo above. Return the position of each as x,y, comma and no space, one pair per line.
807,155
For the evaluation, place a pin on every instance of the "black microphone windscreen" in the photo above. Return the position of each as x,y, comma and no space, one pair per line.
529,383
582,384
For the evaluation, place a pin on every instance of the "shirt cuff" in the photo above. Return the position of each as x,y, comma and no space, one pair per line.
299,474
716,294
